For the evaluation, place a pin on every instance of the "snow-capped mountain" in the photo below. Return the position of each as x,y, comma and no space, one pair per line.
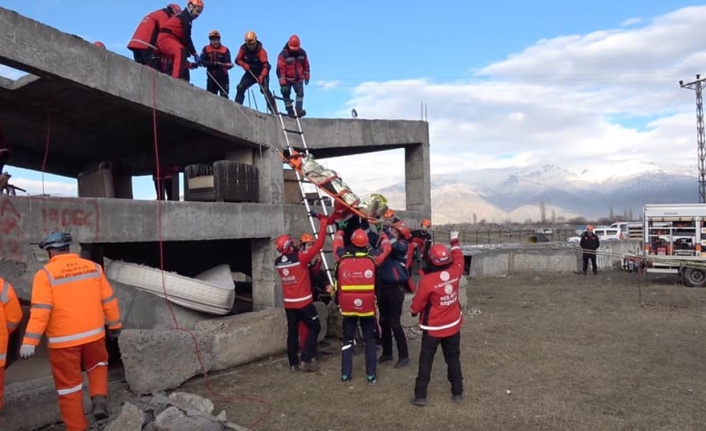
499,195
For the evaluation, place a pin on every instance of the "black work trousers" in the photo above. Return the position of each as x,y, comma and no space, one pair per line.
390,301
147,57
451,347
248,80
592,257
310,317
217,83
367,326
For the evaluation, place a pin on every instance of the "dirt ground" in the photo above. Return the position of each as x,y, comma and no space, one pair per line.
539,352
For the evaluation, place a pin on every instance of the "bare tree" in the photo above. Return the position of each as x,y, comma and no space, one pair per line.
553,216
611,214
475,218
542,212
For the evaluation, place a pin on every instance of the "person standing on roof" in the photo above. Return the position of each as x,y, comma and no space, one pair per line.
293,73
293,268
355,274
72,301
589,243
422,238
440,318
174,39
216,58
10,317
392,282
144,42
252,57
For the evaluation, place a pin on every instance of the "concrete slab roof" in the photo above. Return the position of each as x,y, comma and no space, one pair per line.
103,111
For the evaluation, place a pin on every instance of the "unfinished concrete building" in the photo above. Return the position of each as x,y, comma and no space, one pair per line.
95,123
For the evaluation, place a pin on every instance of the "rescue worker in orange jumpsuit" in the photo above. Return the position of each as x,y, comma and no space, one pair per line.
252,57
355,274
440,317
72,301
293,268
144,42
293,72
174,39
216,58
10,317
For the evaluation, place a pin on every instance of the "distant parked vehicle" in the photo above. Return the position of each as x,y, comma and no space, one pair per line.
603,233
630,230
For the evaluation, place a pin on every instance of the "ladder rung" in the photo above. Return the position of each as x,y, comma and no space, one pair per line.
296,132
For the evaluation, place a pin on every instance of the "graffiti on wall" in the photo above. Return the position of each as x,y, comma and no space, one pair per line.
17,230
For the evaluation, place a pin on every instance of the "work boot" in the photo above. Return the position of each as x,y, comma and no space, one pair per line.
458,399
384,358
293,368
420,402
402,362
346,380
584,273
290,111
99,408
311,367
372,379
301,113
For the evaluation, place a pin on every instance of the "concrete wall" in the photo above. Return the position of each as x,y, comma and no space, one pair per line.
547,257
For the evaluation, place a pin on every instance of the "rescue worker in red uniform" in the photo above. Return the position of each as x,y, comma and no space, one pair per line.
10,317
293,269
293,73
73,301
392,282
215,57
319,283
174,39
440,317
252,57
355,278
144,42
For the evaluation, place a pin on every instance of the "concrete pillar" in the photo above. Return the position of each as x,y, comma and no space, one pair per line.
271,177
122,185
266,288
417,178
241,155
96,184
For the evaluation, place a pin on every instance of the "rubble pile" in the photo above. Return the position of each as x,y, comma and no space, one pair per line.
180,411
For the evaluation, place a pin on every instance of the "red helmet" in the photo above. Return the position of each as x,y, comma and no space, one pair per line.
294,43
359,238
402,227
284,243
175,8
99,44
439,255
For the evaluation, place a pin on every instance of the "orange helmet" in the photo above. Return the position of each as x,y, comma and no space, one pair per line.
99,44
283,243
175,8
294,43
359,238
439,255
214,34
250,38
426,222
389,214
197,3
305,238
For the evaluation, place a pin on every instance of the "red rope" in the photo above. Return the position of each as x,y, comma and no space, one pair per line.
207,383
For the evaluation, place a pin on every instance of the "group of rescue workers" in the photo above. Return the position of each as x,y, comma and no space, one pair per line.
163,41
374,266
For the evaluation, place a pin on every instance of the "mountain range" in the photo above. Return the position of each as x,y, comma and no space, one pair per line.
502,195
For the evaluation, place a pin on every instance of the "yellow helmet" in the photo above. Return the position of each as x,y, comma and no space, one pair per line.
214,34
250,38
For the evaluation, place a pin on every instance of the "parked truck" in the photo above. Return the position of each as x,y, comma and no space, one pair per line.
672,241
633,230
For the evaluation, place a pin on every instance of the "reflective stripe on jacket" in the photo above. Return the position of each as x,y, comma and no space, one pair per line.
72,300
10,316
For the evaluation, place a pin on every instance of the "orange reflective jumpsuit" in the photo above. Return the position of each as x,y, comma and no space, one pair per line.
72,301
10,316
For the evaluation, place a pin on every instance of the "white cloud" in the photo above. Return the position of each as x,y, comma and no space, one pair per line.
631,21
327,85
606,102
52,188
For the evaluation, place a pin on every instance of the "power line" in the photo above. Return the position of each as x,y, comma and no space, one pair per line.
698,85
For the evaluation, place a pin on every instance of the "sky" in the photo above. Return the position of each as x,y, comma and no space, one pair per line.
589,86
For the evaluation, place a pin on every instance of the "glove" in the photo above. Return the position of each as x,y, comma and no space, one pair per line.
306,81
113,334
453,235
246,67
27,351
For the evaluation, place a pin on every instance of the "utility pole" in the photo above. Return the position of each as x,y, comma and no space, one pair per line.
698,86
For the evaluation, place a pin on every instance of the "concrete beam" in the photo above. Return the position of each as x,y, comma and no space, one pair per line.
24,220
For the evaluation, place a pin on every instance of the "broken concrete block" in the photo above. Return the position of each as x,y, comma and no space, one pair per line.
186,401
131,418
156,360
245,337
173,419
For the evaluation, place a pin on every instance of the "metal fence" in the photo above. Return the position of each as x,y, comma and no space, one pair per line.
505,236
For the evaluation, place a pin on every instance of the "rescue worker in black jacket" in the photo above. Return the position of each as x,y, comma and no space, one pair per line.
589,243
215,57
252,57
